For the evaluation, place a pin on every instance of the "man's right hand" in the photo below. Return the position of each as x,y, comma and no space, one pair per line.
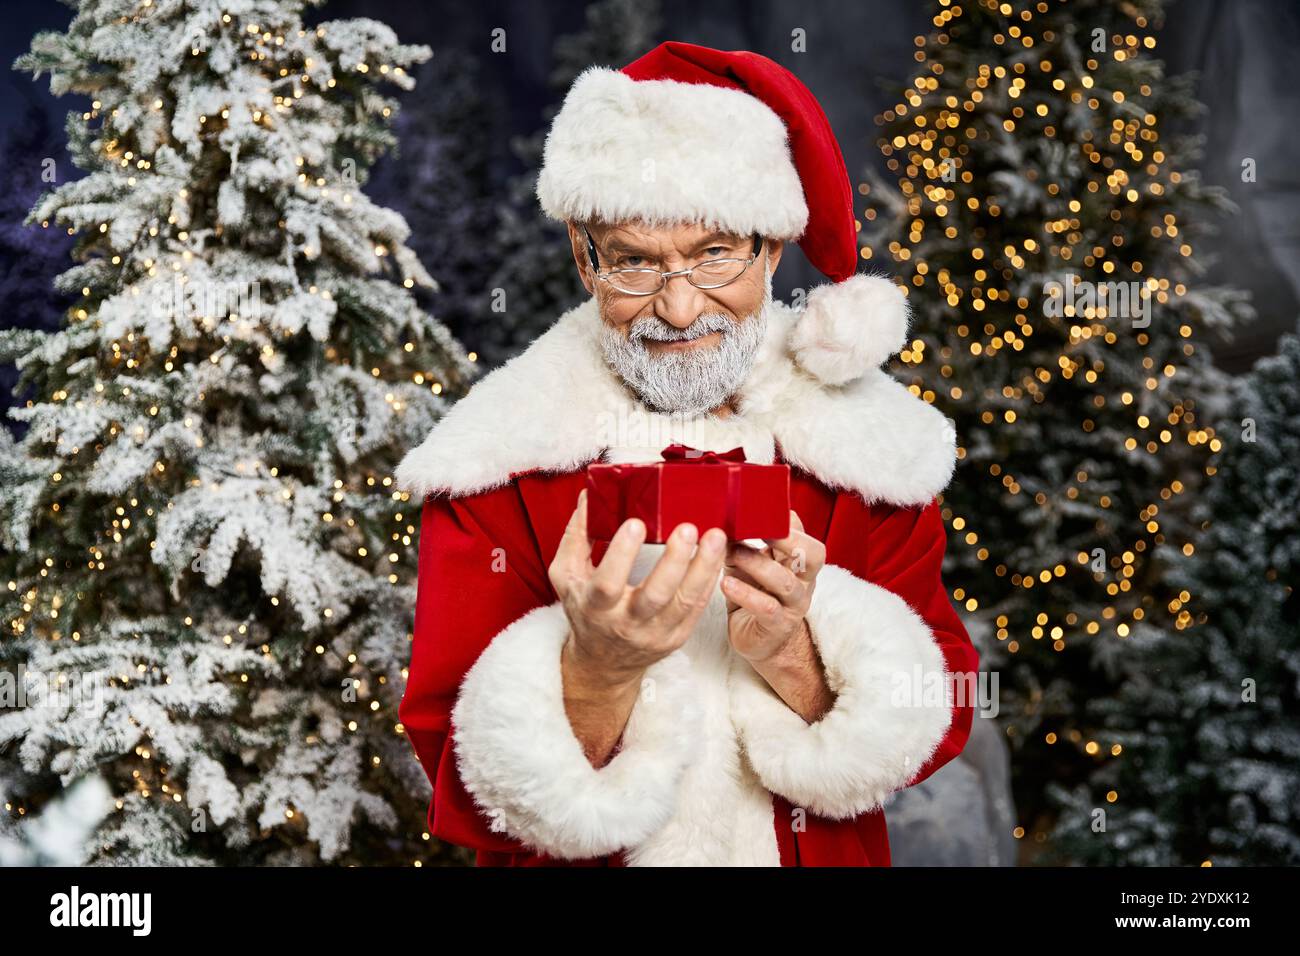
619,630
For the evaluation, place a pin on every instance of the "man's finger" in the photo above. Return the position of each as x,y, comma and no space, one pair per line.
608,582
659,586
731,563
702,573
573,556
768,574
732,572
762,605
799,551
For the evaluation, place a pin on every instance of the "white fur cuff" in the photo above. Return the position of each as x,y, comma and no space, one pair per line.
521,762
894,704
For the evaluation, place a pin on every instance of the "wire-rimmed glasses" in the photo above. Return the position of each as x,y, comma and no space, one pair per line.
710,274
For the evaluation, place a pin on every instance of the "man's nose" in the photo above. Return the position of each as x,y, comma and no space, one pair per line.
679,303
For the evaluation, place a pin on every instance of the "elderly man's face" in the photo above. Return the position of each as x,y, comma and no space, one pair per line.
684,349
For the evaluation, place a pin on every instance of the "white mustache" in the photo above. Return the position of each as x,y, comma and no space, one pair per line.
656,329
659,331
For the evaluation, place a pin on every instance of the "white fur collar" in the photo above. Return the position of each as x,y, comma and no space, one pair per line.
557,407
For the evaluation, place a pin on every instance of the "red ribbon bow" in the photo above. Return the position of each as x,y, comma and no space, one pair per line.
689,454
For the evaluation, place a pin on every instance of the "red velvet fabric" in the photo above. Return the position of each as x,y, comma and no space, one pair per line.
483,565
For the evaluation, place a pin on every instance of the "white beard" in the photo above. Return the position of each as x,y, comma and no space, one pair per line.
694,381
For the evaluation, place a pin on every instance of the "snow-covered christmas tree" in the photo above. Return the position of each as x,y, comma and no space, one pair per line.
207,577
1209,721
1042,221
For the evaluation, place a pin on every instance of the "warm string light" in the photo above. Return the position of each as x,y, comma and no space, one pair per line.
1123,163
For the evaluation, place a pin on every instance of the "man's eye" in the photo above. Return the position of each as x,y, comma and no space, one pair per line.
632,262
714,252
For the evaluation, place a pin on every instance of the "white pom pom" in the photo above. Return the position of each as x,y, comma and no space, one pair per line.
849,327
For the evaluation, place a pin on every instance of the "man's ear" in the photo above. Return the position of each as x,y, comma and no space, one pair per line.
578,240
774,249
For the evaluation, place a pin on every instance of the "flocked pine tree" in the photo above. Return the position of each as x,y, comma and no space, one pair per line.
1210,718
207,580
535,280
1042,223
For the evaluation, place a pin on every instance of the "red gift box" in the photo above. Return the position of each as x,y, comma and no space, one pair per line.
708,489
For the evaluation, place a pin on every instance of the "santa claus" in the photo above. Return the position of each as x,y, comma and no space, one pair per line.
701,701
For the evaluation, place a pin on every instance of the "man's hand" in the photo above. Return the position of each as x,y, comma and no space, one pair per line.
621,630
769,592
768,595
617,631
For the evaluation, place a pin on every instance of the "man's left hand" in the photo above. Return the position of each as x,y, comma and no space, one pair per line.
768,592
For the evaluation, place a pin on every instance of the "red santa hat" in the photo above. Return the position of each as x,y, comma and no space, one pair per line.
729,140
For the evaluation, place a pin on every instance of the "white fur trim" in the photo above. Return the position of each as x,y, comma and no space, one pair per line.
521,762
663,151
879,657
723,815
557,406
871,435
849,327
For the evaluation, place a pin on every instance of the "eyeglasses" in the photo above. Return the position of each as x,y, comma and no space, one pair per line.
710,274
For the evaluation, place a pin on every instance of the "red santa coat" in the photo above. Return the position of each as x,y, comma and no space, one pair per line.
713,768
